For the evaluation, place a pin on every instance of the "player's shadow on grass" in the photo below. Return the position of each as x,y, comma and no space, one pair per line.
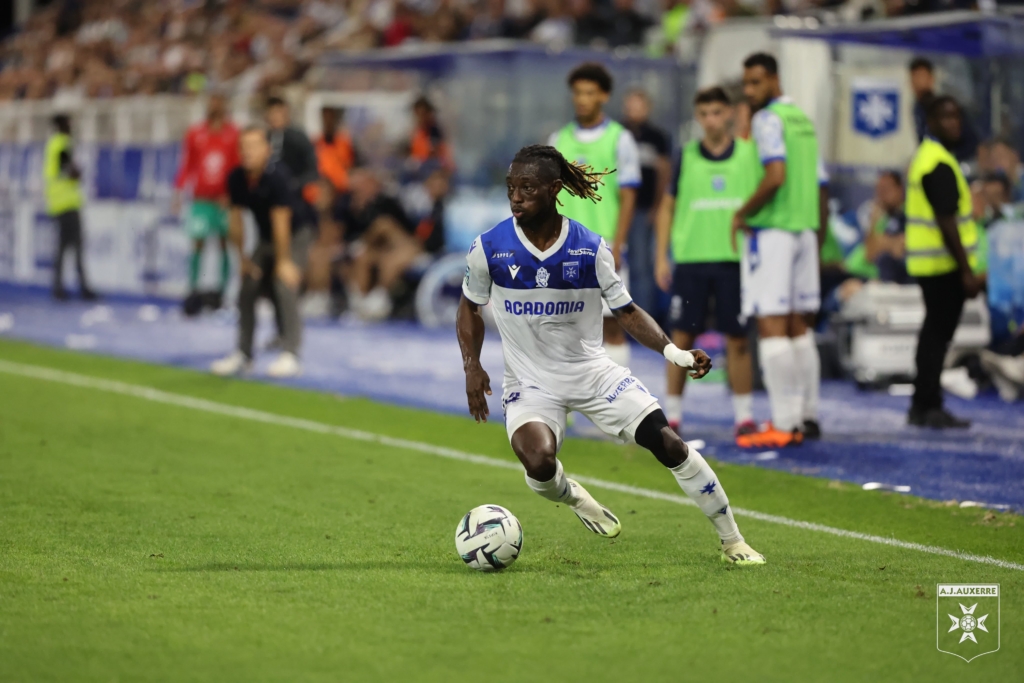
358,565
299,566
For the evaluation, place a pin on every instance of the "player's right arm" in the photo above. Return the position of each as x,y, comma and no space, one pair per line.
469,326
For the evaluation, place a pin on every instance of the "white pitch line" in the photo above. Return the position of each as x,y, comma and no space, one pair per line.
183,401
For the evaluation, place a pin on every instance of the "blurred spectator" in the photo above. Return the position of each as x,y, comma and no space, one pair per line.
654,145
996,199
427,146
627,26
1001,157
591,27
556,29
885,243
380,245
673,21
291,147
879,254
335,153
490,23
922,82
430,229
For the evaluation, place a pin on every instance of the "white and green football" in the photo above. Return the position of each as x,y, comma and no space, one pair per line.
489,538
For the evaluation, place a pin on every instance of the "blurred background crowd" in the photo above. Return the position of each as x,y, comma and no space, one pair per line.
107,48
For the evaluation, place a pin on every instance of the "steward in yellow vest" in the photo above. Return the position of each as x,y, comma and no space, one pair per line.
942,245
63,203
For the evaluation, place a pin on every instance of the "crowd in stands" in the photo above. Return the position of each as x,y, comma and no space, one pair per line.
106,48
370,246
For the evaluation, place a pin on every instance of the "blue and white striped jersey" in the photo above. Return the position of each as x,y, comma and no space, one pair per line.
547,305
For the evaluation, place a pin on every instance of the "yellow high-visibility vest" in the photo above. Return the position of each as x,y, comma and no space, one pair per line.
63,194
927,254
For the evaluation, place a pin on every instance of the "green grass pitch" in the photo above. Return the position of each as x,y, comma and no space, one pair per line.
141,541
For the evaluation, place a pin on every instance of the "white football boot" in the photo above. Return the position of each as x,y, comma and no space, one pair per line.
285,365
594,516
234,363
741,554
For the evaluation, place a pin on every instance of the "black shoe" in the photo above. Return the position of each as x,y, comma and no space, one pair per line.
917,417
61,294
936,418
812,430
192,305
89,295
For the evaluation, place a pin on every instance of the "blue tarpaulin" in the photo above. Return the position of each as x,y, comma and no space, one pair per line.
970,34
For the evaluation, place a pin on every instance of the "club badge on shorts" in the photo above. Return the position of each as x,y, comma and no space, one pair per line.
967,619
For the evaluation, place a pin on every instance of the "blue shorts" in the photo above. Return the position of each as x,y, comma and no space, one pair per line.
700,288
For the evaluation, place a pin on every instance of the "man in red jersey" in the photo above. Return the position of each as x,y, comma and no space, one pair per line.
209,153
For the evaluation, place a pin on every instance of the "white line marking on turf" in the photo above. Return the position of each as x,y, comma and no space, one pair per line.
158,396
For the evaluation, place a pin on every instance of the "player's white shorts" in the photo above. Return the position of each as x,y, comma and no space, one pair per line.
623,273
780,273
617,412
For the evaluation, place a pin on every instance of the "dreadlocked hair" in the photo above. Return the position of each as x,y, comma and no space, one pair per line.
578,180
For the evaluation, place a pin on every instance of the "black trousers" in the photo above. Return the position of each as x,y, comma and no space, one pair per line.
69,227
943,302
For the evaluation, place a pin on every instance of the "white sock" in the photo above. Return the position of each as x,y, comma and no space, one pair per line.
557,489
618,353
674,409
699,482
743,408
810,370
780,369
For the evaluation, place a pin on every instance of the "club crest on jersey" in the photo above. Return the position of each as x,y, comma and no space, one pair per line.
571,271
542,277
718,183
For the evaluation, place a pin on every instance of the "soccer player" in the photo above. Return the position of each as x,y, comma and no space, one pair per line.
785,220
546,276
597,141
712,178
264,188
209,153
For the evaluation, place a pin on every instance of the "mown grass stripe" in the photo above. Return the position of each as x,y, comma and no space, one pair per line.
204,405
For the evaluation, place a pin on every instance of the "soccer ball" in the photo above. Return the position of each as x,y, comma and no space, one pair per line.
489,538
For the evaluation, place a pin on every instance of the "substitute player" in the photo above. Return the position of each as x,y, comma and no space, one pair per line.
209,153
546,277
712,178
784,219
597,141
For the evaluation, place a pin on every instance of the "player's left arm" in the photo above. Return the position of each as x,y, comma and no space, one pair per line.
638,323
641,326
627,170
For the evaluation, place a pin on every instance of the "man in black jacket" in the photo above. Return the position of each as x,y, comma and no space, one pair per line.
291,149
